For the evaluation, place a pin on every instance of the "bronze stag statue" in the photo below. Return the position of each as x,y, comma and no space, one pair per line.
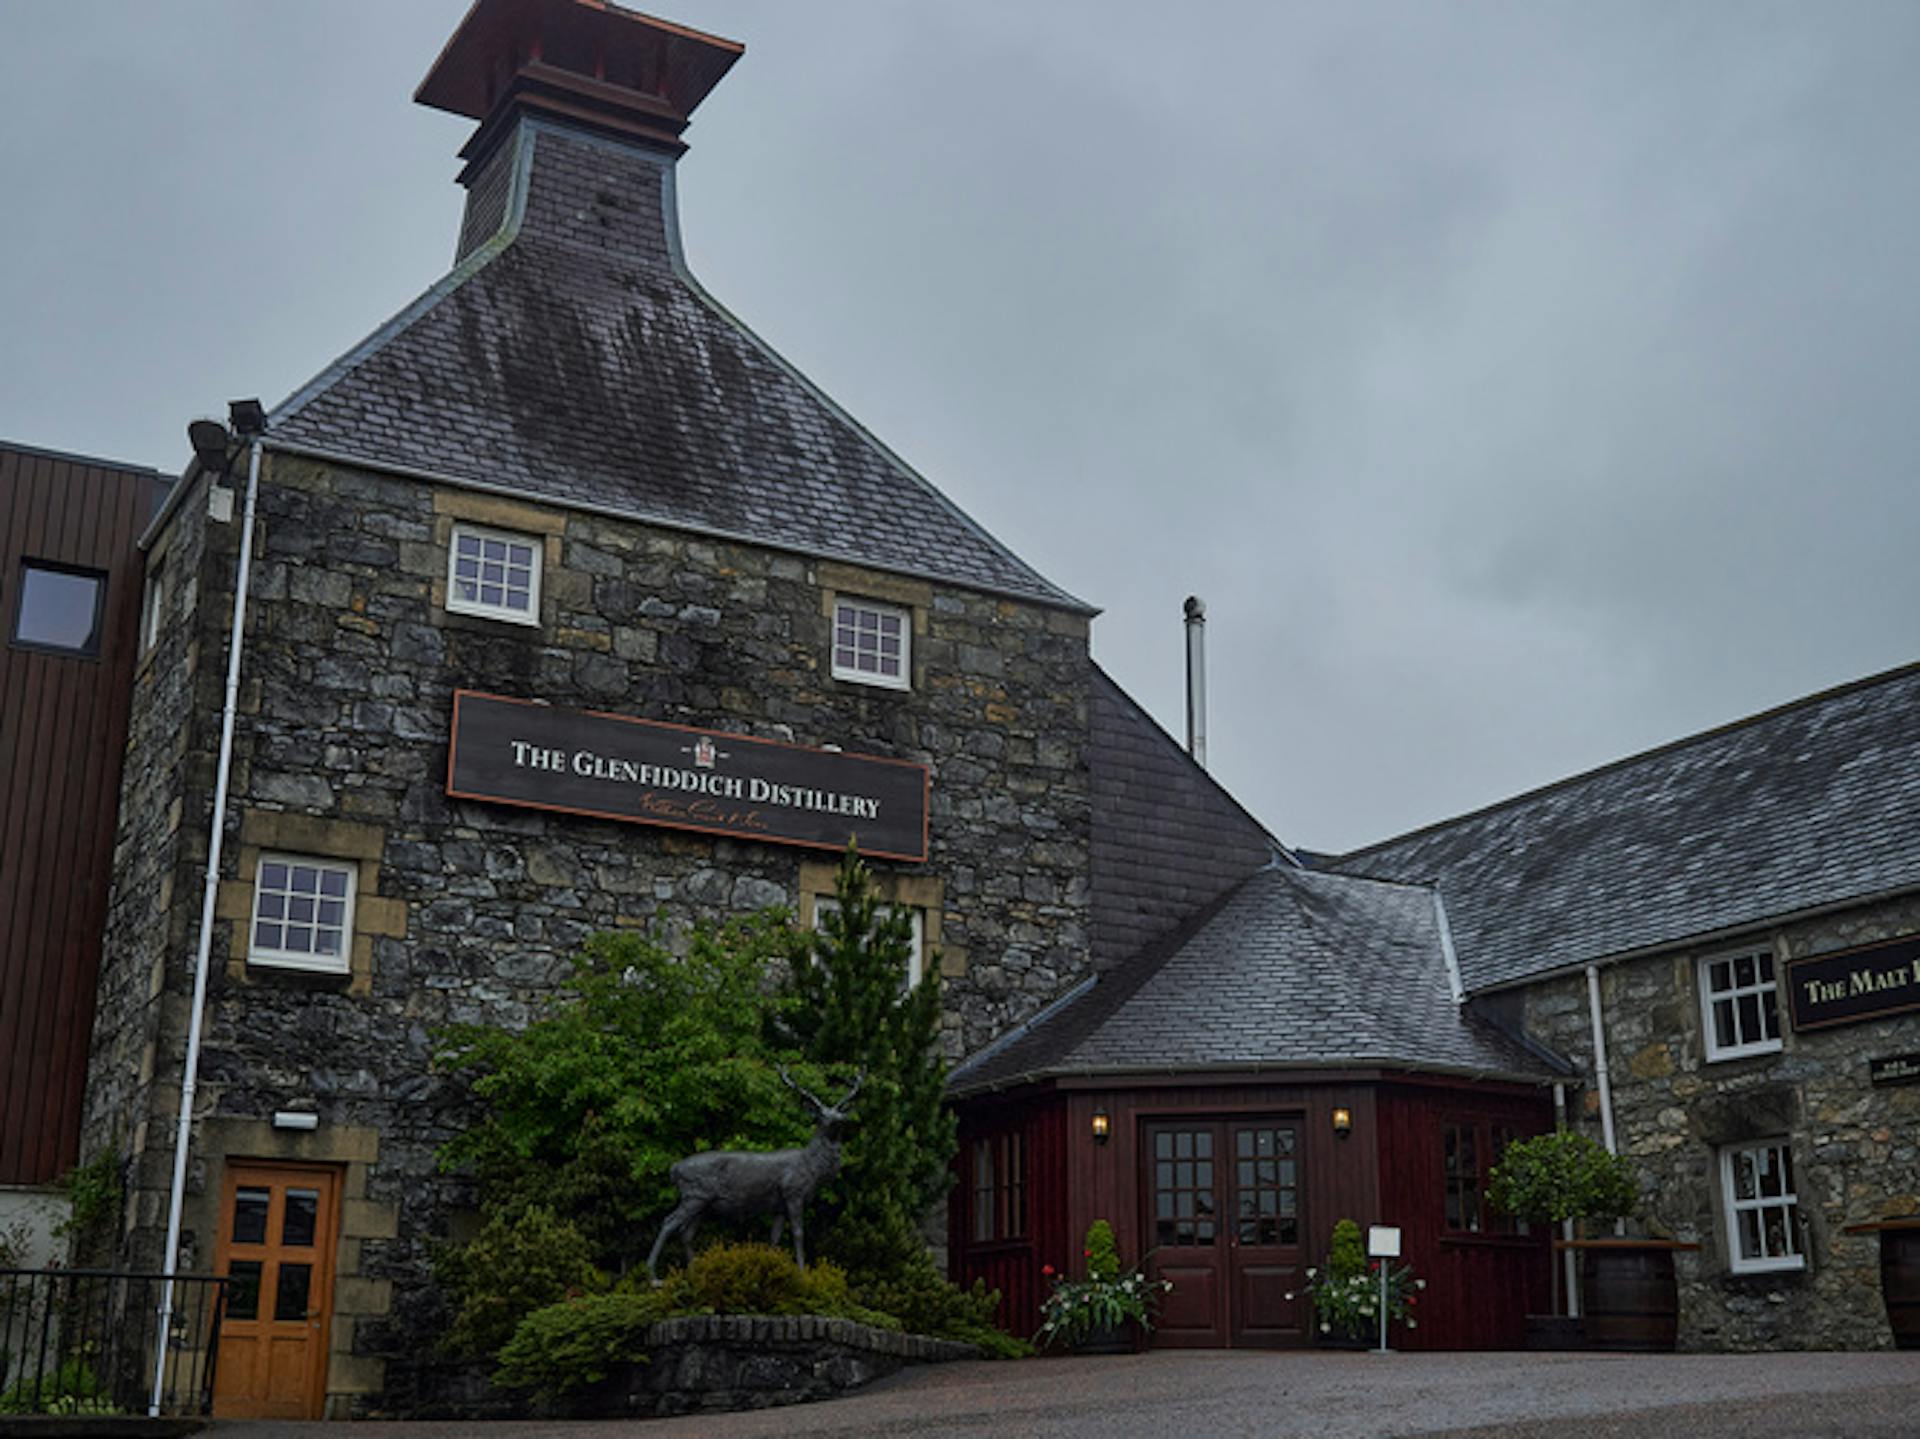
734,1184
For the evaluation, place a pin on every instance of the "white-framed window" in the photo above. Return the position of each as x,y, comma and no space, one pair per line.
302,913
493,573
871,644
826,904
1739,1003
153,605
1762,1206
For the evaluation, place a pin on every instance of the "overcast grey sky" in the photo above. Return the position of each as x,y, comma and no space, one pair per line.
1522,385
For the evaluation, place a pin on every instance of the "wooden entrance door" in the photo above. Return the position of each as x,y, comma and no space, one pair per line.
278,1226
1222,1199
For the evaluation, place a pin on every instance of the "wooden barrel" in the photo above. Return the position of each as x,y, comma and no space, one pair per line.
1632,1300
1900,1284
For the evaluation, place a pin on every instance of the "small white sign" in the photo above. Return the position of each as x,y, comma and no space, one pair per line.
1383,1242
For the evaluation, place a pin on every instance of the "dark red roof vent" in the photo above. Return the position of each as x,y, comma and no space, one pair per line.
588,61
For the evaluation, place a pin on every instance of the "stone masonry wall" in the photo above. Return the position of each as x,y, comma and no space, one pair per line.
159,855
1856,1149
467,912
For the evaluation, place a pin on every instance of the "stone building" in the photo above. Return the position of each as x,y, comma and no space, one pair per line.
563,601
1721,935
564,485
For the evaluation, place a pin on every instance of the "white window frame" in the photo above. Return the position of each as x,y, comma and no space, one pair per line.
1766,991
153,607
855,606
1779,1155
281,957
825,904
536,547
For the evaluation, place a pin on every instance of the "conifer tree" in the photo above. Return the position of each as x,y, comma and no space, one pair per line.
854,1010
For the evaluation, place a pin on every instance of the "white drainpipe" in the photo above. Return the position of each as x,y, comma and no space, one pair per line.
176,1198
1571,1269
1600,1075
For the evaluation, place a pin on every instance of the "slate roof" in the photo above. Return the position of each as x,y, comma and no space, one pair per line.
575,359
1813,804
1167,839
1291,968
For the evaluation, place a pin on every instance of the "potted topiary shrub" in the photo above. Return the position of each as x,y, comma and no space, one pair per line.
1632,1298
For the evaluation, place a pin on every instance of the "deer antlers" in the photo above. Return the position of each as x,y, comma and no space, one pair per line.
859,1078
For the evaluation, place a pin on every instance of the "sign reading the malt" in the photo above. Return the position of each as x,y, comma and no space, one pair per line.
522,752
1895,1069
1861,984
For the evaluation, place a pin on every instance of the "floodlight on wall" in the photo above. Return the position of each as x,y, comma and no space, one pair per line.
1342,1121
1102,1126
209,439
248,417
295,1119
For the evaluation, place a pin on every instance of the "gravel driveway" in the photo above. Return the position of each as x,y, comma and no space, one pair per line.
1341,1396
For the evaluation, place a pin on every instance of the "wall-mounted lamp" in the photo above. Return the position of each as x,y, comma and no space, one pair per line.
1342,1121
1102,1126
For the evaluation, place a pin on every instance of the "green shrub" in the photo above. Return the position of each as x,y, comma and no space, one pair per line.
520,1262
71,1389
571,1345
1563,1175
1101,1253
94,1194
849,1007
760,1279
647,1057
890,1270
1347,1255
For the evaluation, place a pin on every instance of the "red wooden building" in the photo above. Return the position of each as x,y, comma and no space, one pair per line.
1283,1048
70,609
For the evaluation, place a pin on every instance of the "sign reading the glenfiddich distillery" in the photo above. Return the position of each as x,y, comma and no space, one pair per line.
581,762
1861,984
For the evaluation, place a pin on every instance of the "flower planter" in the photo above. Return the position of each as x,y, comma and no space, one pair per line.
1632,1298
1899,1275
1110,1339
1344,1339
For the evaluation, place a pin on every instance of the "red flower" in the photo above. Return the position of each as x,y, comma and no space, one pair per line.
1046,1269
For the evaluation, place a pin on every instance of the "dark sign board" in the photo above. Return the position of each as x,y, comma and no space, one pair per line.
1860,984
1895,1069
521,752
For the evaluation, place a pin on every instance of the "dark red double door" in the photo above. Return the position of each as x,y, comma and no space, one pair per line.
1223,1221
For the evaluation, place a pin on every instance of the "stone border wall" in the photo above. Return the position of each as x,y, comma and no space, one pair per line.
725,1362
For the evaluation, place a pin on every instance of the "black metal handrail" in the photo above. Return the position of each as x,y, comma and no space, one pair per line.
82,1341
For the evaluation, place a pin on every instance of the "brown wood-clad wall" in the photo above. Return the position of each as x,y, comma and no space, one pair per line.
63,726
1480,1287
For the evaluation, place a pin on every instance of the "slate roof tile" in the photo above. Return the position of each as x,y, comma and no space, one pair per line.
576,360
1290,967
1813,804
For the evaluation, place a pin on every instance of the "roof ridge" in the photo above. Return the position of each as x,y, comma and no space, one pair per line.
73,457
1627,761
676,258
424,303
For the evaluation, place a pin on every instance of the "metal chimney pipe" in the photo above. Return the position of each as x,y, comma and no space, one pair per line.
1196,610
